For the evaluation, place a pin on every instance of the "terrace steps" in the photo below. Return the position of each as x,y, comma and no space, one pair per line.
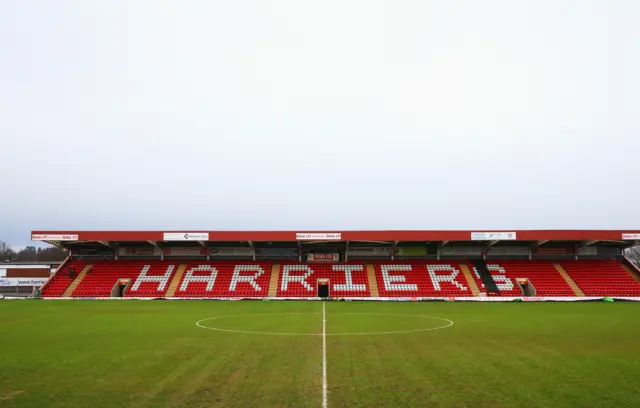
373,282
177,278
567,278
74,284
475,290
273,283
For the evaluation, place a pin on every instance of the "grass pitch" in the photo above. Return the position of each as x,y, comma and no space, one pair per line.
152,354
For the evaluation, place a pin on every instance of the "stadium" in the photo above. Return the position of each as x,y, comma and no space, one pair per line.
355,318
319,204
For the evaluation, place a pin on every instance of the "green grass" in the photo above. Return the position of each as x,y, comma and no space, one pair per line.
151,354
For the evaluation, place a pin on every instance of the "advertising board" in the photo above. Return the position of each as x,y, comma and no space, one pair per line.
186,236
491,236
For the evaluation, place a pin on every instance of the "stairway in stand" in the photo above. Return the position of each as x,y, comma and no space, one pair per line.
574,286
69,291
475,291
177,278
373,282
485,275
273,283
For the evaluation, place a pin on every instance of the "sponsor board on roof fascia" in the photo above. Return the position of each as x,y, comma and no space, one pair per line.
631,236
186,236
490,236
302,236
54,237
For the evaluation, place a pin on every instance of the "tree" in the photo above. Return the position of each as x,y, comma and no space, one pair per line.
32,254
29,254
51,254
6,253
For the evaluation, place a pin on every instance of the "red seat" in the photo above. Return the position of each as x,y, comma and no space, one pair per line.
421,279
225,279
61,280
602,278
345,280
543,275
105,274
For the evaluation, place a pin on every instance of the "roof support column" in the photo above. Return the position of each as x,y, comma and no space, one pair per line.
393,250
442,244
346,253
253,250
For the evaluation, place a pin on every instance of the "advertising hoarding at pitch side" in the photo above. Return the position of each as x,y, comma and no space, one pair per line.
22,281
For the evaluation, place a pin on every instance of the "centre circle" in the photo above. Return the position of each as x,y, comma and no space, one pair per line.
310,324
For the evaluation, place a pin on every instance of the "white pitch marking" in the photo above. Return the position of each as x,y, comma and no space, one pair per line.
324,356
199,324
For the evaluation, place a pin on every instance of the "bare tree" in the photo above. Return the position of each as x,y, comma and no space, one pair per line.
6,253
31,254
51,254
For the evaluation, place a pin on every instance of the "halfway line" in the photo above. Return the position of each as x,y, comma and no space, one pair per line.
324,356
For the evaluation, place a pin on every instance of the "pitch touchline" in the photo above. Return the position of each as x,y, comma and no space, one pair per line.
324,356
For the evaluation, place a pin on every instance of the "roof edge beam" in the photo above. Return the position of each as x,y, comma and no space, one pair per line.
443,243
538,243
587,243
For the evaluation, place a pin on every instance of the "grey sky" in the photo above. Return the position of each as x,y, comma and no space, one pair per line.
318,115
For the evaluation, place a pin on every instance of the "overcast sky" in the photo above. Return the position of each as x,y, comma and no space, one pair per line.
329,115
